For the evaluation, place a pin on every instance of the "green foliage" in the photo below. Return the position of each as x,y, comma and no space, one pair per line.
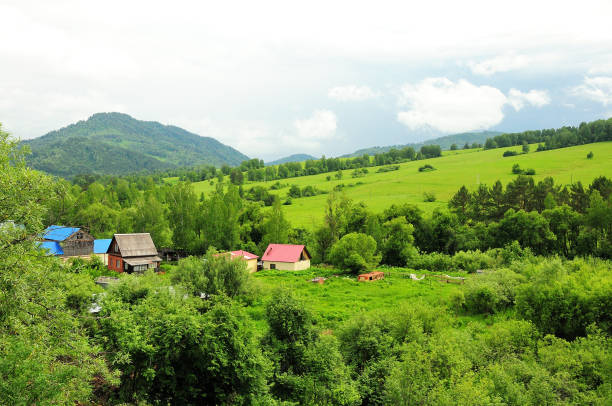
213,274
355,251
426,168
429,197
492,292
590,155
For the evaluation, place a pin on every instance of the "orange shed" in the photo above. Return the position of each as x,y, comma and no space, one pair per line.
371,276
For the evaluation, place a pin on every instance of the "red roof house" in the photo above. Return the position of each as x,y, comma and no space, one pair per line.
251,259
286,257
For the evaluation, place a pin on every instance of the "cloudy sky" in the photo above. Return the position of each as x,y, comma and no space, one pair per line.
272,78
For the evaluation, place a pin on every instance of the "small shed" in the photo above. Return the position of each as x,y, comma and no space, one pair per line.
132,253
286,257
371,276
251,259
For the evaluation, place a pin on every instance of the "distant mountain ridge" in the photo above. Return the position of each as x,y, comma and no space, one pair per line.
291,158
117,144
444,142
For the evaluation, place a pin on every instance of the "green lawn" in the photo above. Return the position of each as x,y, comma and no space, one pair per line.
454,169
342,297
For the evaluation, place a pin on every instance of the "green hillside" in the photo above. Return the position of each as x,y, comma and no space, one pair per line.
115,143
453,169
291,158
444,143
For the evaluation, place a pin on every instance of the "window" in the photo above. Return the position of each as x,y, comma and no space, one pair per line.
118,264
272,266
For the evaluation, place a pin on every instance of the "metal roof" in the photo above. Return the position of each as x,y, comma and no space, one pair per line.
59,233
135,245
101,246
245,254
52,247
284,253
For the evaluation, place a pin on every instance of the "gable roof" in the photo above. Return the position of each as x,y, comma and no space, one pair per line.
284,253
52,247
135,245
245,254
101,246
59,233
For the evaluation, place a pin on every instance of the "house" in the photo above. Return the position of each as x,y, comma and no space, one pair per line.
67,242
251,259
371,276
100,249
286,257
132,253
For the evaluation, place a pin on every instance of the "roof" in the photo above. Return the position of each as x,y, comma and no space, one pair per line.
284,253
59,233
373,273
136,245
52,247
101,246
245,254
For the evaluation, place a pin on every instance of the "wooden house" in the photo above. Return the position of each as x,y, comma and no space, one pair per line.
132,253
67,242
250,259
286,257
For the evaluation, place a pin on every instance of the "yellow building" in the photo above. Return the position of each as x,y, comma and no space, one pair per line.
286,257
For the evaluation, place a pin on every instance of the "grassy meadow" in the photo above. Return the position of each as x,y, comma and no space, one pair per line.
341,297
453,169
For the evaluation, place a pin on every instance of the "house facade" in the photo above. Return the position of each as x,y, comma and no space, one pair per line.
132,253
67,242
286,257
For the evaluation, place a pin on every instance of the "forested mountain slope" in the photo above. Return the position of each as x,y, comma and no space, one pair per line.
115,143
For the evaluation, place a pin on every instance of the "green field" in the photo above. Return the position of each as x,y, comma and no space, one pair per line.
342,297
454,169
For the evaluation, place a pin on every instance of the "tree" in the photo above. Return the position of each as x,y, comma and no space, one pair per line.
453,147
236,176
525,147
45,356
398,241
275,227
355,251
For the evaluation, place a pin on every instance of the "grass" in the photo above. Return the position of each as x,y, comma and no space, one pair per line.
453,169
342,297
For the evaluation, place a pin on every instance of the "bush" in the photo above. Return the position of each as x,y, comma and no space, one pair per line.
530,171
491,292
510,153
432,262
470,261
429,197
388,168
354,251
426,168
590,155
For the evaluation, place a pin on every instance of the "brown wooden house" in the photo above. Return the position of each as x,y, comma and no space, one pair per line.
132,253
68,242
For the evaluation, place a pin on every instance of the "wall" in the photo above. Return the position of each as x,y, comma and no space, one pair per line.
288,266
112,263
252,265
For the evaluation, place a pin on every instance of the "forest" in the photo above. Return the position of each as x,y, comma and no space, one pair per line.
530,325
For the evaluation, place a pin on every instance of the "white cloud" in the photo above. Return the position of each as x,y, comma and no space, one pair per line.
320,126
351,93
536,98
450,107
598,89
501,63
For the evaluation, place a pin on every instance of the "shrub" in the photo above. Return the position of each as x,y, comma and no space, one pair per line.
432,262
429,197
590,155
491,292
530,171
426,168
510,153
470,261
354,251
516,169
388,168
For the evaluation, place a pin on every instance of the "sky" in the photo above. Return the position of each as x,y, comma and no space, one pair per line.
274,78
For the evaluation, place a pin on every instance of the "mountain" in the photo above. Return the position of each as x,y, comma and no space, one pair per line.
291,158
115,144
444,142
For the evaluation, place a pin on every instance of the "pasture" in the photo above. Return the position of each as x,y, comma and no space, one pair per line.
453,169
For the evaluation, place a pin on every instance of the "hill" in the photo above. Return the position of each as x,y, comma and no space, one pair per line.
453,170
291,158
444,142
116,143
